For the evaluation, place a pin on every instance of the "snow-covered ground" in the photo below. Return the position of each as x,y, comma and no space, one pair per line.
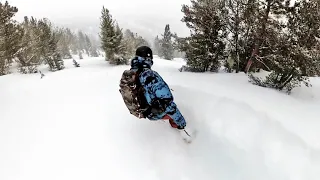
73,125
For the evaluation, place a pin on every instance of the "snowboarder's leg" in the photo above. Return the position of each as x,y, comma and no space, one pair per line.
173,125
177,121
174,113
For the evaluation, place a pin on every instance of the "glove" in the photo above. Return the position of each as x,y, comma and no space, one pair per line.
145,113
141,116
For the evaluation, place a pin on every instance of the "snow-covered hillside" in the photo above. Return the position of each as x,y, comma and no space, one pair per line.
73,125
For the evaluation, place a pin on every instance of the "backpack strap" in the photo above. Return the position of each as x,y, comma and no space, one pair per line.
140,91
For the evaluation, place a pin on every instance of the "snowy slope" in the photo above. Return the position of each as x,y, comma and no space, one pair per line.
73,124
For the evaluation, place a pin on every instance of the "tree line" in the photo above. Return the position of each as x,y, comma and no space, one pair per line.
33,42
281,37
119,46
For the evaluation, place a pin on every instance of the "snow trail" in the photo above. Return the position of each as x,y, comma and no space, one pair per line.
73,124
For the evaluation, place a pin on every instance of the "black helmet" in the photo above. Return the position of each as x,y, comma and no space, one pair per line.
145,52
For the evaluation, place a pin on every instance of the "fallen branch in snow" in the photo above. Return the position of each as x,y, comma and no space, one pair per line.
258,58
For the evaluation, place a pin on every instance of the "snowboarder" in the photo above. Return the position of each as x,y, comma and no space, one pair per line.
151,93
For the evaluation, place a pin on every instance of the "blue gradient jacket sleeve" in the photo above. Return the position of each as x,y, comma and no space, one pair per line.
157,92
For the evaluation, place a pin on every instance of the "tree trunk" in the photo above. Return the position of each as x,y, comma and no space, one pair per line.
259,37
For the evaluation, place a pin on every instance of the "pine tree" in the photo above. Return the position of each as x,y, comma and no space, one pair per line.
94,51
82,42
112,41
28,56
88,44
166,44
130,41
91,47
176,43
118,40
156,46
48,45
80,55
234,19
107,34
206,45
10,36
64,43
73,41
266,25
119,47
140,41
290,50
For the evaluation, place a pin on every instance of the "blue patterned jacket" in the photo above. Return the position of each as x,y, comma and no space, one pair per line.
159,97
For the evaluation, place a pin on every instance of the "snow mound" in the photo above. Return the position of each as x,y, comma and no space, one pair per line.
252,145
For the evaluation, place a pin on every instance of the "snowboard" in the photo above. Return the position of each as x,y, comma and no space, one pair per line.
191,136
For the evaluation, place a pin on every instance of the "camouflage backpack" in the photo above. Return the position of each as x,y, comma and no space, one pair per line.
133,93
